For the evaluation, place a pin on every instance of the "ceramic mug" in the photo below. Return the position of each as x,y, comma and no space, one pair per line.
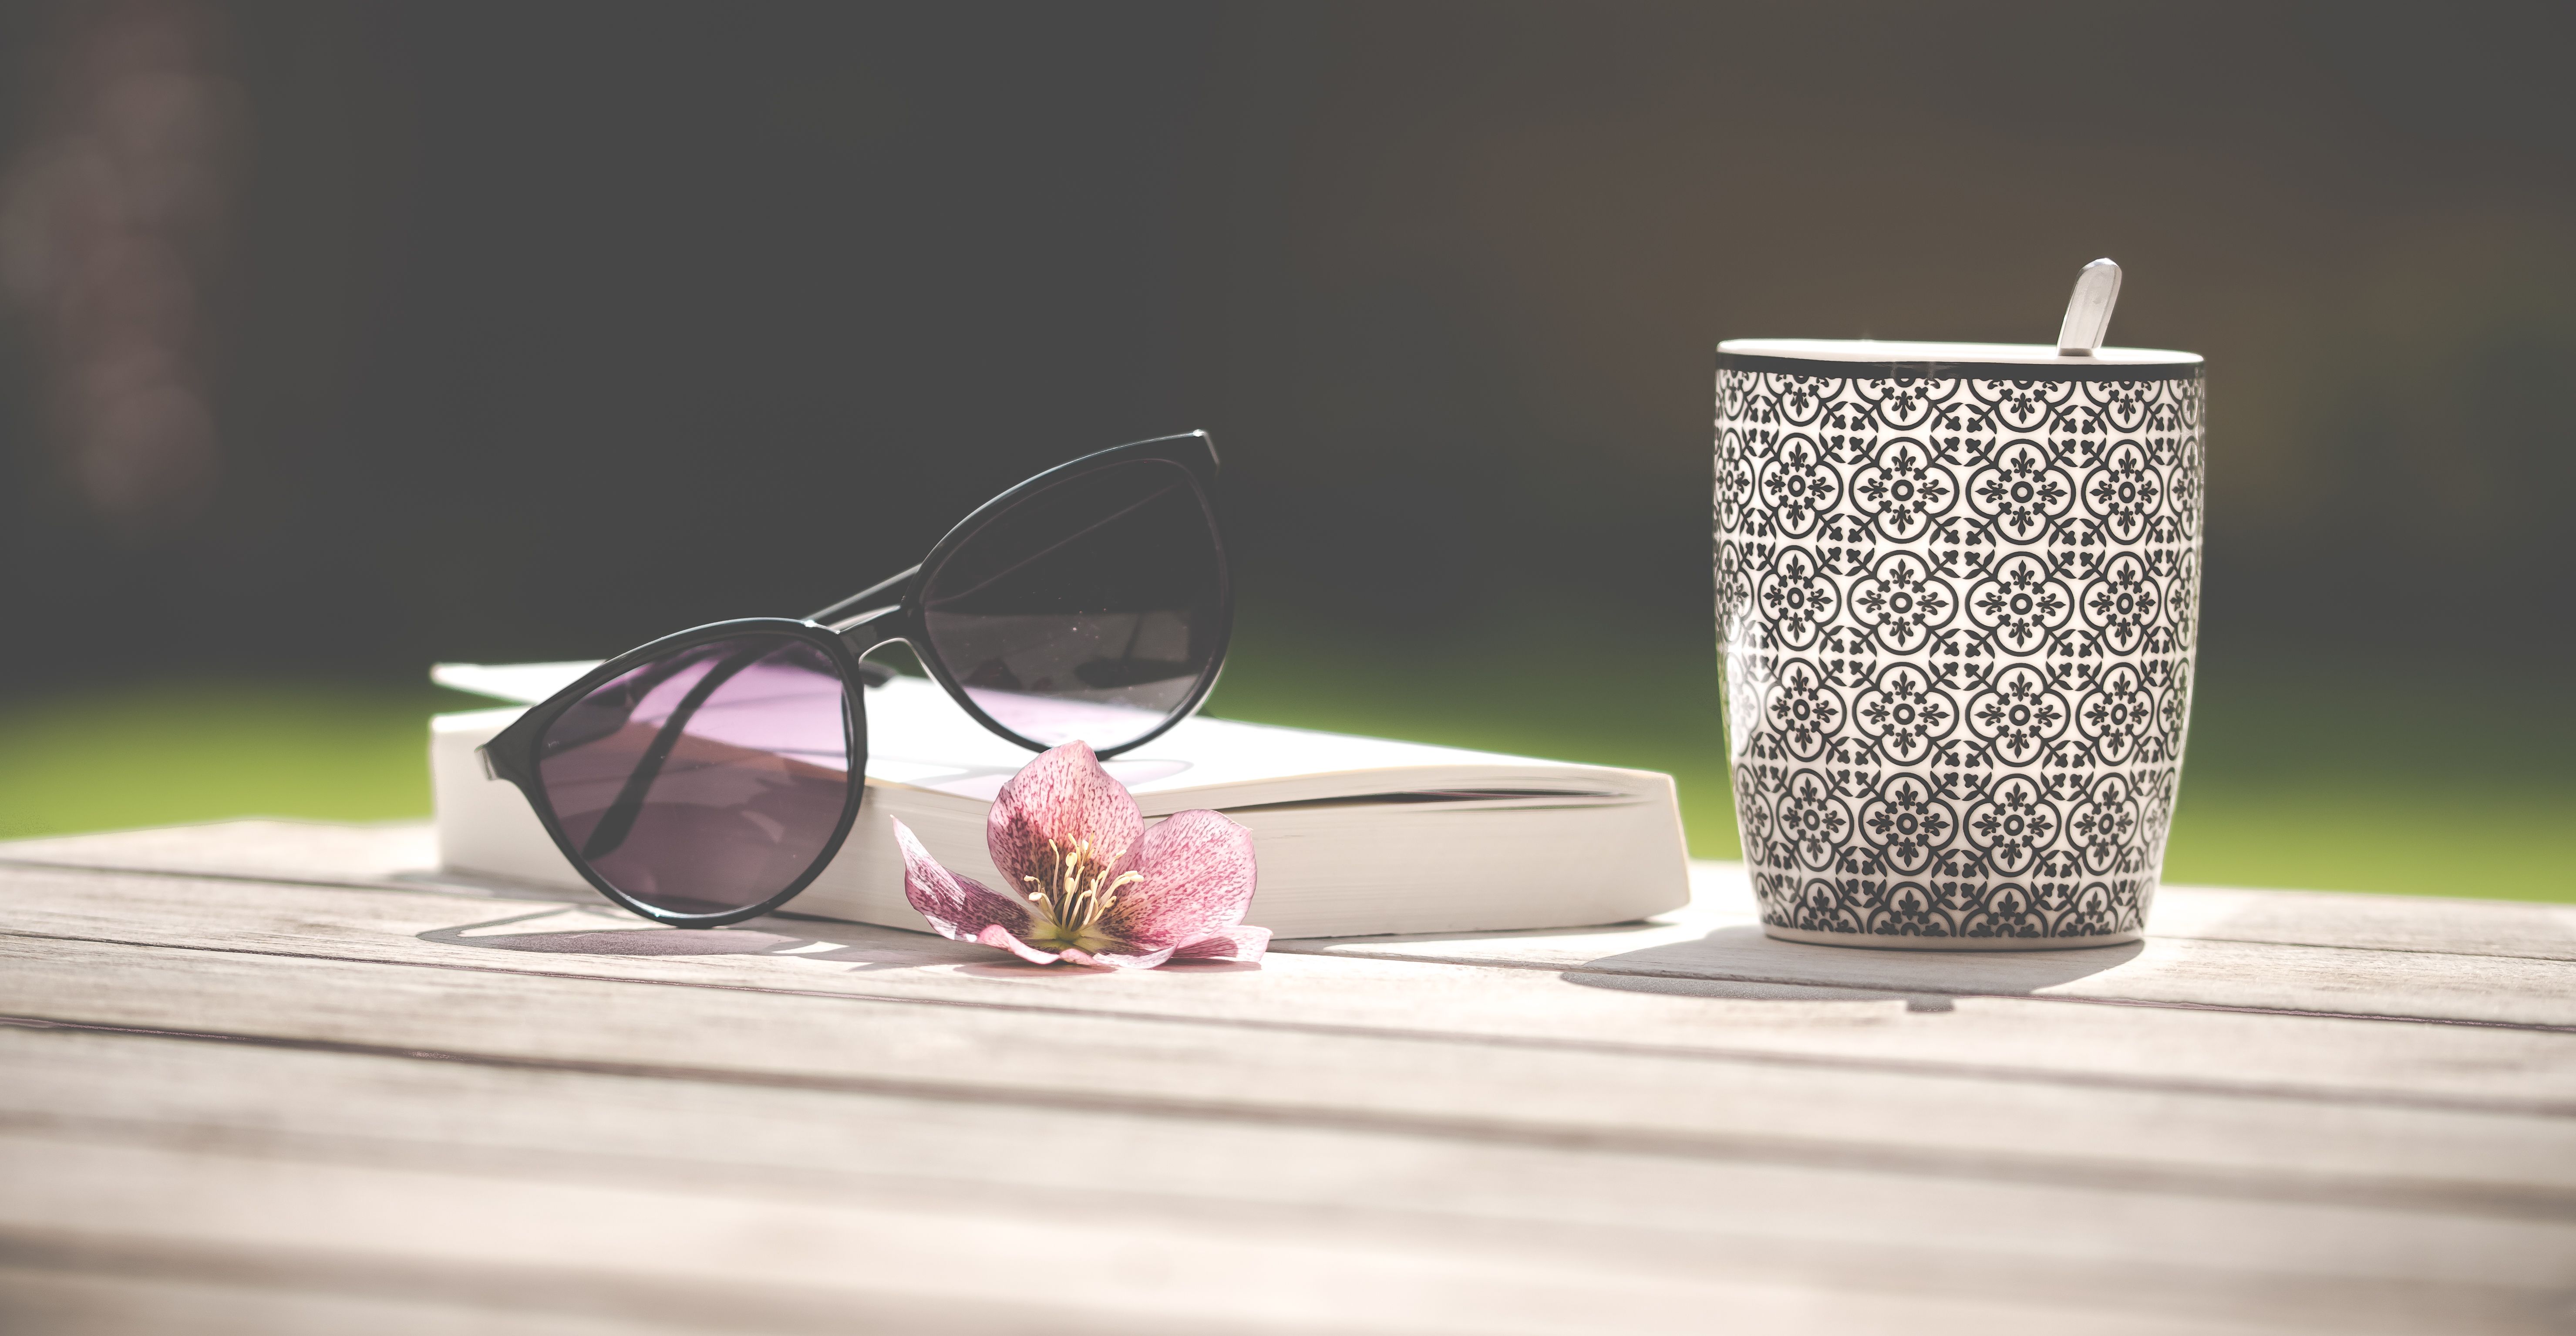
1957,591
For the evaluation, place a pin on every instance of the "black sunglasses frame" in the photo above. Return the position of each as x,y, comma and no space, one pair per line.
880,615
891,610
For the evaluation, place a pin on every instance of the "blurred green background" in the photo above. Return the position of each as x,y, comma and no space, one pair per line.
336,340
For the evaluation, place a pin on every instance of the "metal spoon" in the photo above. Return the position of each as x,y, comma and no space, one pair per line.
2088,311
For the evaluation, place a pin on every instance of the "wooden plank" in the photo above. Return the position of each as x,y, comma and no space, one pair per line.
1929,1123
585,1126
1995,1038
1496,1147
314,852
2360,972
2191,974
1565,1209
1722,897
406,854
783,1262
2003,1038
2324,981
2372,922
2162,972
229,1293
2420,1152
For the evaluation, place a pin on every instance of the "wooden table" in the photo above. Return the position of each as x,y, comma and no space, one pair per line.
267,1077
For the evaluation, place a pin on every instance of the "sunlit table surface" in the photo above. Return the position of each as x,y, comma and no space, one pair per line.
273,1077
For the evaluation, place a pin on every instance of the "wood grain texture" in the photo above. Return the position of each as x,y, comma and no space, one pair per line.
734,1262
1997,1038
2376,968
277,1077
2513,1164
1561,1209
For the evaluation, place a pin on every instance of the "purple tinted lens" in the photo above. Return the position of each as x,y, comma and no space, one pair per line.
707,781
1089,610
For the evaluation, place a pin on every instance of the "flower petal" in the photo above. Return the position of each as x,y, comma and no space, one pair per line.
1117,960
959,907
1244,944
1198,879
996,935
1063,796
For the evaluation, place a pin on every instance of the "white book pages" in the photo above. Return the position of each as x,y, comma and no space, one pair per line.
1354,835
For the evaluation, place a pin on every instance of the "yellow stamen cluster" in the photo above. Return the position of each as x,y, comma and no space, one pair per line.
1073,896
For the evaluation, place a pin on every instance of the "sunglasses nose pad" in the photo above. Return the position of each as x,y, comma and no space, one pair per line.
870,632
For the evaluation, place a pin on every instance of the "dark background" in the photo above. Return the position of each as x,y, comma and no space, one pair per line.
339,339
540,330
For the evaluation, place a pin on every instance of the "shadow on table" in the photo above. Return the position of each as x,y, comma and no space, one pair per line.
859,946
862,947
1013,968
1740,961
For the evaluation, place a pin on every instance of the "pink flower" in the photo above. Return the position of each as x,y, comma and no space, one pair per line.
1089,883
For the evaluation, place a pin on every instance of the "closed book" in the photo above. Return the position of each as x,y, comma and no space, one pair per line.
1354,836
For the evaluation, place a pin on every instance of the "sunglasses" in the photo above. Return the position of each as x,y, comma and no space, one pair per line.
710,776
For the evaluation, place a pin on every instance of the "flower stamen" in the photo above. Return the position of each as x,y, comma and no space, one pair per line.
1076,893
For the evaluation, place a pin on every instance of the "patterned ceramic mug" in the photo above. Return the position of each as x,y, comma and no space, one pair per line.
1957,587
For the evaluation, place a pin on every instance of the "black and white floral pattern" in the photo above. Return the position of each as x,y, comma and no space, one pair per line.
1957,608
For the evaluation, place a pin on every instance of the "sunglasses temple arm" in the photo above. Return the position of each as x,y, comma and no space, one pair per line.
886,591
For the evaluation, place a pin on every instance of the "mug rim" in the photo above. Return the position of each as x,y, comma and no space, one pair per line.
1925,360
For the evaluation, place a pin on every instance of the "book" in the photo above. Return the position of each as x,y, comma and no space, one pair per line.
1354,836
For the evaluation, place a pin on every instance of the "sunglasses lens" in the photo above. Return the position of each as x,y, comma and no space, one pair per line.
706,781
1088,610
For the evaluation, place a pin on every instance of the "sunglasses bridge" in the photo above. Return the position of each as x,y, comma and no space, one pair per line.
855,610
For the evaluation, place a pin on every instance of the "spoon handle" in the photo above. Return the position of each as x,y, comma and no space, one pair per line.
2088,311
